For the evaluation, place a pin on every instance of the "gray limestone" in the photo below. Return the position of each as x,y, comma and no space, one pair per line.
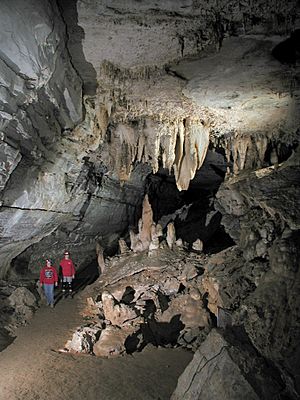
221,368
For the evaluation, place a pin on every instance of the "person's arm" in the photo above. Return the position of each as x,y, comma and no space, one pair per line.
41,277
55,276
73,270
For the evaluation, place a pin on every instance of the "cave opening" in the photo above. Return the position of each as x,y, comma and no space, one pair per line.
192,211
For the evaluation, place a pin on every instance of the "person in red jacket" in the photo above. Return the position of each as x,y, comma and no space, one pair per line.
68,273
49,278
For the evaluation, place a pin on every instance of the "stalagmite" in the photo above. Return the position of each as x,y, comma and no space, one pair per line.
156,233
141,241
100,258
146,225
134,239
123,246
171,235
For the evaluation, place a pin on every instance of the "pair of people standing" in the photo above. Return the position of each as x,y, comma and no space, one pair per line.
49,277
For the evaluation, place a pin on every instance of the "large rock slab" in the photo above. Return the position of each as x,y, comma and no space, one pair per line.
223,368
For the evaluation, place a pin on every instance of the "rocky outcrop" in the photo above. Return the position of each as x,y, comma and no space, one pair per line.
231,98
49,180
148,300
228,367
18,304
40,98
182,28
259,213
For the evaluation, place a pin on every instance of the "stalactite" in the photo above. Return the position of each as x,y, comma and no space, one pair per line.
261,145
196,141
160,144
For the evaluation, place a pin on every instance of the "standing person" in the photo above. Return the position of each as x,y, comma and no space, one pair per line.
68,273
49,278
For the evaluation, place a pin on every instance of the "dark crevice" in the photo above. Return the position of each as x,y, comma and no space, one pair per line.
172,72
128,295
35,209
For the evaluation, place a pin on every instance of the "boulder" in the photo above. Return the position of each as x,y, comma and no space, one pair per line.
112,341
22,297
23,304
192,312
170,286
83,339
229,369
117,314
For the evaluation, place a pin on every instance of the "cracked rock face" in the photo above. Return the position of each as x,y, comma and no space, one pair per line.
47,179
228,366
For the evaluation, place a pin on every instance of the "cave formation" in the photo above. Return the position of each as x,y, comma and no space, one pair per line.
159,143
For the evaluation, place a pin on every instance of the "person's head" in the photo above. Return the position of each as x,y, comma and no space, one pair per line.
67,255
48,262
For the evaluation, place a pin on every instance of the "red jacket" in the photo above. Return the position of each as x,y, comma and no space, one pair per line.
67,267
48,275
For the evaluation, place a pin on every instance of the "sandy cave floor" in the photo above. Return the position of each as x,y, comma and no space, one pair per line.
33,369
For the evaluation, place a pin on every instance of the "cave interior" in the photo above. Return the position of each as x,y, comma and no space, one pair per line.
157,142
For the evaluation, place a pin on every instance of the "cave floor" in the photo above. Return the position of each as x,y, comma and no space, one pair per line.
32,367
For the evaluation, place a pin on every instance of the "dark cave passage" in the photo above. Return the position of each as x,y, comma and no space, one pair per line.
192,211
83,278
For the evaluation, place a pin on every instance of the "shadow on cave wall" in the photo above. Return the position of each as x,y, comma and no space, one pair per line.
288,51
75,33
